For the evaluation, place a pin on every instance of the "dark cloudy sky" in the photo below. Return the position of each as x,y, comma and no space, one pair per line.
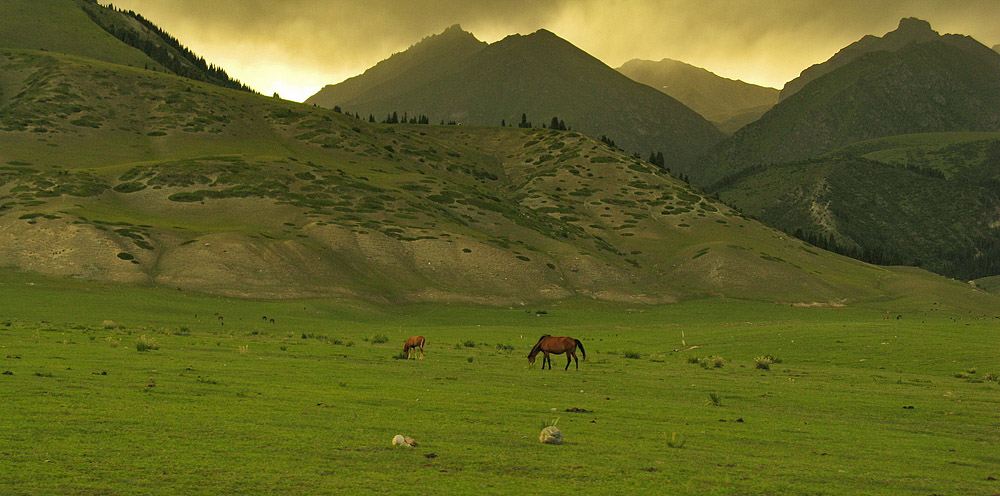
294,47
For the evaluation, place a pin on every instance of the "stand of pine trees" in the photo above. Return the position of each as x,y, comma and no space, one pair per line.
184,64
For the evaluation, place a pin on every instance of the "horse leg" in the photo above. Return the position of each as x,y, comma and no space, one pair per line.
421,352
546,358
576,360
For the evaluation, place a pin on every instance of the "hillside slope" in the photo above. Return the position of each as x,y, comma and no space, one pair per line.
121,174
88,29
731,104
62,26
542,76
930,200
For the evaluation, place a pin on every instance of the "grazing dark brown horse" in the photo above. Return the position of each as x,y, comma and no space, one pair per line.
557,345
414,342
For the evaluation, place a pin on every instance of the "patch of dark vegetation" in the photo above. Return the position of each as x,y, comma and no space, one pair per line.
130,187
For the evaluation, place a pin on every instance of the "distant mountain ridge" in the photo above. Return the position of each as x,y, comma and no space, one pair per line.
539,75
909,31
893,157
951,83
728,102
418,64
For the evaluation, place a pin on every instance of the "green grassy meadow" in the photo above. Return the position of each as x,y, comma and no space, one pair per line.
859,404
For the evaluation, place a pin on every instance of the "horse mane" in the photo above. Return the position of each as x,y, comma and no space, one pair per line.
538,345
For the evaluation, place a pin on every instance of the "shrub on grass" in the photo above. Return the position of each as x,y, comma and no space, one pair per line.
714,399
469,343
505,347
634,355
186,196
379,339
675,441
763,362
145,344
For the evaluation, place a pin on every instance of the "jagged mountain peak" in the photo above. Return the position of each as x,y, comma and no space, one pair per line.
909,31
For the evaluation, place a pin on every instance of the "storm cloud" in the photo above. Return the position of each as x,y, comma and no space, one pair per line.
294,47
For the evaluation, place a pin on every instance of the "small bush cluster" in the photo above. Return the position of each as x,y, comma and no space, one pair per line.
675,441
634,355
379,338
709,362
146,344
505,347
469,343
764,362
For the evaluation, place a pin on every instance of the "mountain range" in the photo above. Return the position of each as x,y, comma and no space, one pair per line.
887,153
949,83
454,77
730,104
910,31
120,173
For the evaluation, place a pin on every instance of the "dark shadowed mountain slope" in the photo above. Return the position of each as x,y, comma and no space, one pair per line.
910,31
729,103
949,84
543,76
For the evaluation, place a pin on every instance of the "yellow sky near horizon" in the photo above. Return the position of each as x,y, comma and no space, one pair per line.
295,47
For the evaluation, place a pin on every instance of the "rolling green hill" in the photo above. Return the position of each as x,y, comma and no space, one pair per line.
930,200
120,174
540,75
730,104
949,84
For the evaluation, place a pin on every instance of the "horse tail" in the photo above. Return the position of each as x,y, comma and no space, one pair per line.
580,345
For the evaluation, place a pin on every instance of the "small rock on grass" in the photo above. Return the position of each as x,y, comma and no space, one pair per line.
405,441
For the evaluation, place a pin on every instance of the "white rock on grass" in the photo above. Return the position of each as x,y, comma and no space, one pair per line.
551,435
401,440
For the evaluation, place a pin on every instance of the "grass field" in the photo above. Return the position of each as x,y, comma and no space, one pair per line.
858,404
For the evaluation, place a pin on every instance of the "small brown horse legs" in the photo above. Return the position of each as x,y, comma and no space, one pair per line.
570,358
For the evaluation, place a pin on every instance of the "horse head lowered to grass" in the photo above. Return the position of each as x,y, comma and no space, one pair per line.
557,345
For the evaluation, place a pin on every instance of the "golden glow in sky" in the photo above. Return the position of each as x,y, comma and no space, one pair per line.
295,47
